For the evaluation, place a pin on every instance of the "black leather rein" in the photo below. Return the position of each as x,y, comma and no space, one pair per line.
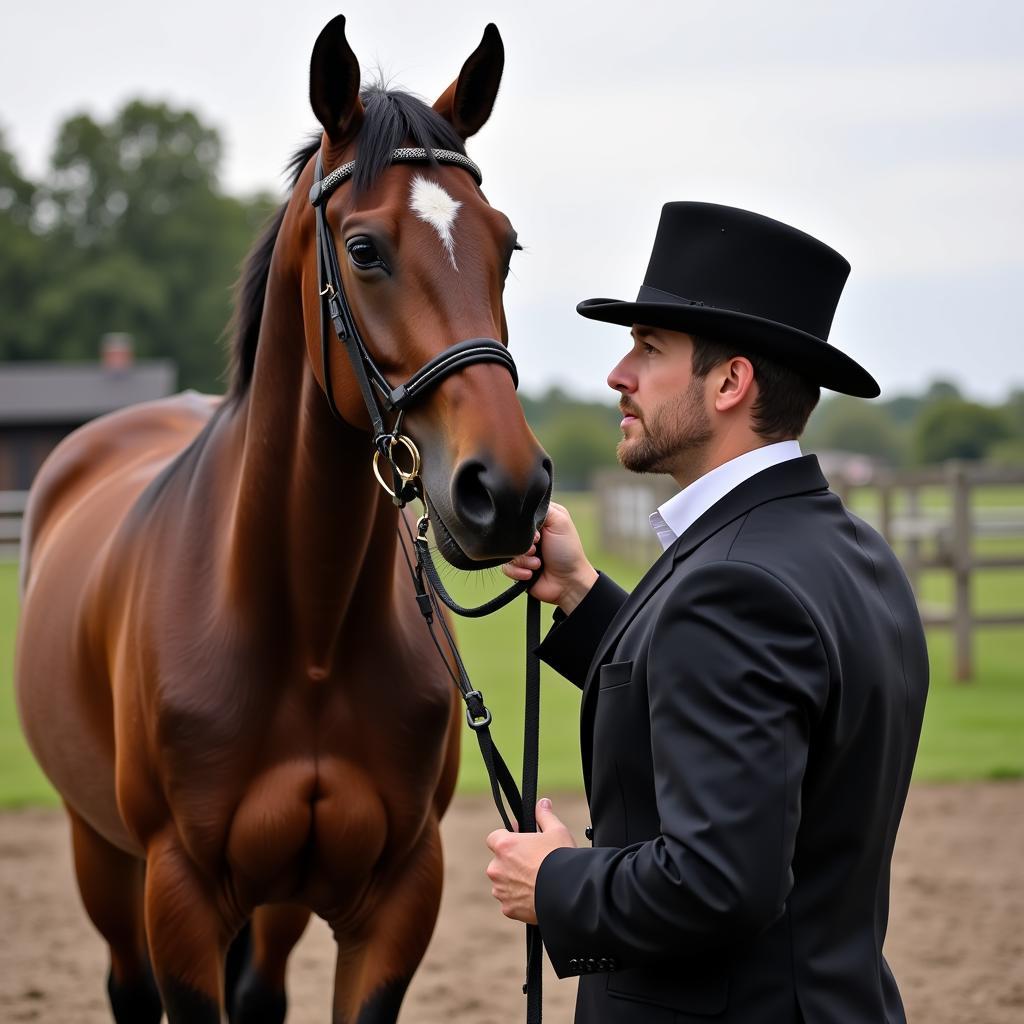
380,398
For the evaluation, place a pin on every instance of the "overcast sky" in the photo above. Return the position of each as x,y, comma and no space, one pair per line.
892,131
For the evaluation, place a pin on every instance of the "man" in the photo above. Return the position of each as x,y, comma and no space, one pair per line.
751,712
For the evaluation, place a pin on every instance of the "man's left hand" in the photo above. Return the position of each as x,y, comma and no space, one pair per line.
517,859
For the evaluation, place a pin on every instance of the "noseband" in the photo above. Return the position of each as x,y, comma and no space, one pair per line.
378,394
380,398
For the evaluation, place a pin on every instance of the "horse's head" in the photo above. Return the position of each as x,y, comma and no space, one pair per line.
423,259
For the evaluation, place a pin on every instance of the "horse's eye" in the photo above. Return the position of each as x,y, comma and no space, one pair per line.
508,263
363,252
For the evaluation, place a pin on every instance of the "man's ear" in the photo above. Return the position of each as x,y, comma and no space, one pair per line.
467,103
736,383
334,83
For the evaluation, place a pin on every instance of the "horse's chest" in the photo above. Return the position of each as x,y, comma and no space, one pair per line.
299,824
320,792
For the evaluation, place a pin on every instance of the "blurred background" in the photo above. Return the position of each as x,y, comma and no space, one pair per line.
142,147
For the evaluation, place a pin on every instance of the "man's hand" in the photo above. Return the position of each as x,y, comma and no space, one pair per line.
517,859
567,575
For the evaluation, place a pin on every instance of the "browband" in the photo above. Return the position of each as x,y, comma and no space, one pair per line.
405,155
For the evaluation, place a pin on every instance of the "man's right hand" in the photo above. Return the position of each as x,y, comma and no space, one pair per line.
568,575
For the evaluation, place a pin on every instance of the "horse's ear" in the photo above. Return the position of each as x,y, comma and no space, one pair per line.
334,82
468,101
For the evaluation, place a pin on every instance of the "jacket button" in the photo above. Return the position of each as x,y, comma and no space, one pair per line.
589,833
591,964
573,964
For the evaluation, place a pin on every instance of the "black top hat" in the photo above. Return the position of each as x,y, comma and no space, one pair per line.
734,276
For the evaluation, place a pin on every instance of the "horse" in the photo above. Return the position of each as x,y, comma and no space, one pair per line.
221,665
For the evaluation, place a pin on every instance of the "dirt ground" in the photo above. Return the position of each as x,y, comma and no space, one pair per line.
956,937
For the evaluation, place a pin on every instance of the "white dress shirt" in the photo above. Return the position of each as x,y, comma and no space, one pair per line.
680,512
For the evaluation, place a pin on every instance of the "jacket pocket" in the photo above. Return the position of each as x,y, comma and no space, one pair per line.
617,673
697,993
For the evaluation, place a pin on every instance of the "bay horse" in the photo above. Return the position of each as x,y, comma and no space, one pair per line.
220,664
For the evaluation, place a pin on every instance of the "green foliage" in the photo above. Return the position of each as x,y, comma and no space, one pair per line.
932,427
579,436
1007,453
939,389
952,428
845,424
130,232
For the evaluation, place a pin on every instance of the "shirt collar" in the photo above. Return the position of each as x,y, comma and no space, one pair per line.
681,511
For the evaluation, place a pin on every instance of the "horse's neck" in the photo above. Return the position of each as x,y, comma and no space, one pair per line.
313,532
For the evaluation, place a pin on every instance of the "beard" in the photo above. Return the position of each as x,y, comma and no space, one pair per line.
675,434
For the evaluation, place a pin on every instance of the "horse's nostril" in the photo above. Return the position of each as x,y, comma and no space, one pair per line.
472,497
538,491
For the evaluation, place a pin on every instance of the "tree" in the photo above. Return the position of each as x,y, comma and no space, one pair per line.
848,424
22,255
952,428
131,233
940,389
579,441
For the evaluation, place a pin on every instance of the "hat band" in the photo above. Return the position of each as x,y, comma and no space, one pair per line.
648,293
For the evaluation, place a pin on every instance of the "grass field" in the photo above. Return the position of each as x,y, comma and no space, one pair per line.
970,732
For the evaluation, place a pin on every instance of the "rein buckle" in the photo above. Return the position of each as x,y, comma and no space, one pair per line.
478,715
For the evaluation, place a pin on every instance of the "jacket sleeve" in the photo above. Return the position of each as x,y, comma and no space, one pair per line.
572,641
736,675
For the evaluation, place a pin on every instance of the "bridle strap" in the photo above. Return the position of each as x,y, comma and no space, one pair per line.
334,307
324,185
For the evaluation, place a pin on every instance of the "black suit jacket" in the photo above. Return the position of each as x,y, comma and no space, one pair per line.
749,722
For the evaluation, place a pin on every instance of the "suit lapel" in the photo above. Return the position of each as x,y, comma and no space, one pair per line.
795,476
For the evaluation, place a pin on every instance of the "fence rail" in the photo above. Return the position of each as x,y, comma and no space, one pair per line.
925,538
12,511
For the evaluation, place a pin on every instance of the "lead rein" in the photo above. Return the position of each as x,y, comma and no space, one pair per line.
521,804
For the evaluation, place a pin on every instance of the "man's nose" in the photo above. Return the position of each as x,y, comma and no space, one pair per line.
619,379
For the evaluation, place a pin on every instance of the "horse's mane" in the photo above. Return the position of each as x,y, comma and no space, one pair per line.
392,119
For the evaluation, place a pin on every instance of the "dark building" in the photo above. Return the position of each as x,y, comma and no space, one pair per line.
41,403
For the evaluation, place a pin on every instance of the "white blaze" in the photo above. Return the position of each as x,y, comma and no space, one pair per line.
431,203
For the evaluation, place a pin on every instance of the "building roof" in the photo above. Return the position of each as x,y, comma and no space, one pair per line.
71,393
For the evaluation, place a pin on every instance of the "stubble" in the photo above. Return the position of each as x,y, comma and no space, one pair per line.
673,436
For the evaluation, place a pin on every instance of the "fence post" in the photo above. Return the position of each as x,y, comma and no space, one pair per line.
912,551
885,509
960,506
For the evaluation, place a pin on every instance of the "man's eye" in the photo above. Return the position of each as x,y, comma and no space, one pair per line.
363,253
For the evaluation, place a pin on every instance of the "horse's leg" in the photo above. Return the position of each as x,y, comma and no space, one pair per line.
257,995
370,983
188,934
111,884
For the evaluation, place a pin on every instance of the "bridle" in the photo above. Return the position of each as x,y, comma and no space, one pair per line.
378,394
380,398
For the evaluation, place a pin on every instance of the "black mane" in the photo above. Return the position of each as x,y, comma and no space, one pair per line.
392,119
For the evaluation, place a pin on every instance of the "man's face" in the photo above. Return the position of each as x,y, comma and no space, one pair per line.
665,425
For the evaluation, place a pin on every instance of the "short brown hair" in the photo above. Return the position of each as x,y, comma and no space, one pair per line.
785,400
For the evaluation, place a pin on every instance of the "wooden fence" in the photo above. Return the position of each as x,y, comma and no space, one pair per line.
12,509
937,534
944,536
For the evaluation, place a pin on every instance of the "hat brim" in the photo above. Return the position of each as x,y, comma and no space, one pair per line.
809,356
